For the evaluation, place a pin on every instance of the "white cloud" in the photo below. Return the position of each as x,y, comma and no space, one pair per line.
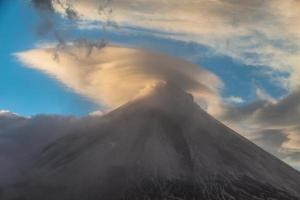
261,94
4,112
7,113
96,113
234,100
249,31
113,75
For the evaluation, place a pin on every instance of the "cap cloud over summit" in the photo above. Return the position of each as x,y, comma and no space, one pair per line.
113,75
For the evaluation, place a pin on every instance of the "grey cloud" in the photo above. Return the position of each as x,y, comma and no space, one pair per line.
295,156
284,113
48,6
271,140
67,6
21,139
47,25
272,125
43,4
241,113
240,13
6,122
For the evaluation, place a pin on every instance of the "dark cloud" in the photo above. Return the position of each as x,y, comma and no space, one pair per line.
67,6
49,26
47,6
43,4
8,119
46,24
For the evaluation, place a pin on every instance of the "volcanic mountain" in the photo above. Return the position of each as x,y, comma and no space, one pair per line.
159,146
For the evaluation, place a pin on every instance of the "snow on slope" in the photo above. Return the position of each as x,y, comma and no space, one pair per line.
159,146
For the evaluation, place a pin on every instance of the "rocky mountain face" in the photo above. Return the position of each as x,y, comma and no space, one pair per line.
159,146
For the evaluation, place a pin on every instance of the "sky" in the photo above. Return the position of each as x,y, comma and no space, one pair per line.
233,56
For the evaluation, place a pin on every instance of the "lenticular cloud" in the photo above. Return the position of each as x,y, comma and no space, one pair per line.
113,75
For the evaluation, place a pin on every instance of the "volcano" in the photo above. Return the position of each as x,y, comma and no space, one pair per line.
159,146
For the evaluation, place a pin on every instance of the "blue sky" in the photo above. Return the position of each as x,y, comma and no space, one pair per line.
29,92
26,91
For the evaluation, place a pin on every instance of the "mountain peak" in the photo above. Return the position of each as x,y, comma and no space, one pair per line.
164,94
170,90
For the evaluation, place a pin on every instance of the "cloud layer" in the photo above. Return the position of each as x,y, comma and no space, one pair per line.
21,138
273,124
114,75
249,31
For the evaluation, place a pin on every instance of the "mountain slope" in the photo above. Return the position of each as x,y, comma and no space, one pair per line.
159,146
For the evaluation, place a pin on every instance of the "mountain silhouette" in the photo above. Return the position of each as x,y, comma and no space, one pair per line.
161,145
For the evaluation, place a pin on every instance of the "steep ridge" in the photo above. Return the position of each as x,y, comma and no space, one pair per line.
161,145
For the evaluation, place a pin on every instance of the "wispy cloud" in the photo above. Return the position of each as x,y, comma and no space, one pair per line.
234,100
249,31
